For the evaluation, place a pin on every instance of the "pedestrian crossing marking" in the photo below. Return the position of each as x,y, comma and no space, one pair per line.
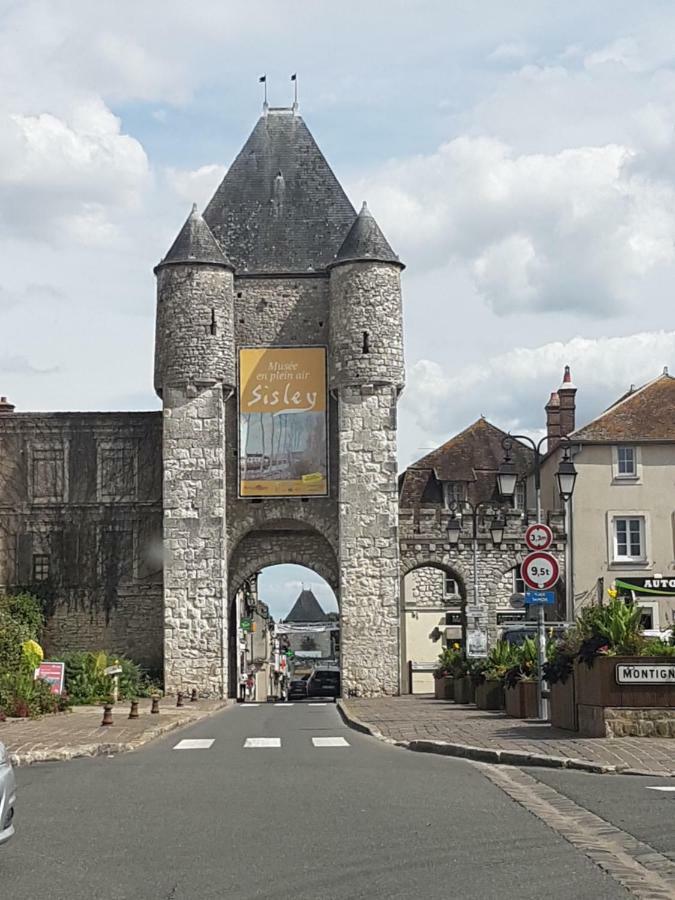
258,742
194,744
330,742
283,705
661,787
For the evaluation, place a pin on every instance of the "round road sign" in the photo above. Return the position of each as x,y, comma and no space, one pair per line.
538,537
540,570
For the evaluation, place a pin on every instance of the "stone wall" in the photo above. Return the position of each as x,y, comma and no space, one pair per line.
368,558
195,633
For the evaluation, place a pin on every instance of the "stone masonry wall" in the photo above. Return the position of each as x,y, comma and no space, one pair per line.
369,569
195,633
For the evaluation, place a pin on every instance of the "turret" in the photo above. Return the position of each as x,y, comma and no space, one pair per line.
194,337
366,326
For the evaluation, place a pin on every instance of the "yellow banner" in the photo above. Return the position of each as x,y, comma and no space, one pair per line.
282,422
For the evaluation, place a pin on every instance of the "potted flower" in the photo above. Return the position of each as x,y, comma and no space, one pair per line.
464,689
490,689
521,681
559,674
444,674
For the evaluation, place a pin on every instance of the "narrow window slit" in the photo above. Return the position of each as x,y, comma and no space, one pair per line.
366,343
213,322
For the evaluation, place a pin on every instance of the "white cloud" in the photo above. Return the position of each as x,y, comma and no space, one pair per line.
68,177
512,389
195,185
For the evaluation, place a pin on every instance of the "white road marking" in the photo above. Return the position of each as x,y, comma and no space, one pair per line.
283,705
250,743
654,787
194,744
330,742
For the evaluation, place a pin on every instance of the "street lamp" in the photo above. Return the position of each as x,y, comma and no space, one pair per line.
507,476
497,531
566,476
454,530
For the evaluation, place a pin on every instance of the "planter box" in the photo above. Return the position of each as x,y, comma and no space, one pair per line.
490,695
464,690
521,700
597,686
563,704
634,709
444,688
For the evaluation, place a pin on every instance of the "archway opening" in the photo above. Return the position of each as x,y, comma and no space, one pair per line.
433,600
284,628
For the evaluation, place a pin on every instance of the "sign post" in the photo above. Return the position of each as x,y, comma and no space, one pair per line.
540,571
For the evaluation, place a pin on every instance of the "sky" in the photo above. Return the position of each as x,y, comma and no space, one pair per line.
520,158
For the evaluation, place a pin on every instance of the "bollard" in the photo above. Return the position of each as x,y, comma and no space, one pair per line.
107,714
179,698
193,696
133,712
155,705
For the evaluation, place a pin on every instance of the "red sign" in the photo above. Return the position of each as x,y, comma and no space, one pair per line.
538,537
540,570
53,673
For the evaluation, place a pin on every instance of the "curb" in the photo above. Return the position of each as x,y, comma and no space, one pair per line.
495,757
30,757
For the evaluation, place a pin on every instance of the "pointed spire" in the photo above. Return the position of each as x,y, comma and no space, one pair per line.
365,241
195,244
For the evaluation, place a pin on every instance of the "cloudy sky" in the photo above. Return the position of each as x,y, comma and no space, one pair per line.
519,156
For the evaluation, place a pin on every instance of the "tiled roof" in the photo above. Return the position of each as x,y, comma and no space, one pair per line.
645,414
306,609
365,241
195,243
472,456
280,208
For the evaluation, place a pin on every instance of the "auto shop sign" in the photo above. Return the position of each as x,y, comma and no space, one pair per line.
645,673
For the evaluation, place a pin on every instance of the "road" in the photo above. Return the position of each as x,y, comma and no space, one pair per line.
354,819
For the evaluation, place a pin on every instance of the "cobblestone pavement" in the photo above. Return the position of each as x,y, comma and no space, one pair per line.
421,718
80,733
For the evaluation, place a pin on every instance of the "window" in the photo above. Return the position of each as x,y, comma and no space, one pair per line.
454,492
519,495
48,474
629,538
518,583
40,567
626,463
451,588
116,472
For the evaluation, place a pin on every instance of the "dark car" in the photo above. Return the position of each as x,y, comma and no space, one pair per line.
324,683
298,687
516,634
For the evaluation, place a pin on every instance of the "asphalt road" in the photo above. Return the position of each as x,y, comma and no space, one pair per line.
360,820
630,802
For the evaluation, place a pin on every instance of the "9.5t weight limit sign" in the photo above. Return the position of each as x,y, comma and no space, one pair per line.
540,570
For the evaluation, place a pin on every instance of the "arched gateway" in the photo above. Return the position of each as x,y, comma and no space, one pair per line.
279,361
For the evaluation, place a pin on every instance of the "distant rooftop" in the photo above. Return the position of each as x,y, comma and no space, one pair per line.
307,609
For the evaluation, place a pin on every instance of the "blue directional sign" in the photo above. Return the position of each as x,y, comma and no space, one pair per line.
547,598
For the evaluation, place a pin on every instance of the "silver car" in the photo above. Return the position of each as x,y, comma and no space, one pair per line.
7,796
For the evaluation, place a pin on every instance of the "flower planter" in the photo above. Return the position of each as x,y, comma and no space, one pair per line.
563,704
444,688
521,700
490,695
464,691
606,708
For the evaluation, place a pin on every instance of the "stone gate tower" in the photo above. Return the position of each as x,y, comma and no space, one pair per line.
279,259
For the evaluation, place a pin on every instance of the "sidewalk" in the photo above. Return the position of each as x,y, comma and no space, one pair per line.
421,723
80,733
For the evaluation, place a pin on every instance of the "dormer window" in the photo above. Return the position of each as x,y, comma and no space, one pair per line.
455,492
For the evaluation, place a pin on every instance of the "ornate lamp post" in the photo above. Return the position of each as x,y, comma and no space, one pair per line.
497,527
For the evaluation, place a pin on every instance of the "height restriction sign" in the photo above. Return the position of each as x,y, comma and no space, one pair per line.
540,570
538,536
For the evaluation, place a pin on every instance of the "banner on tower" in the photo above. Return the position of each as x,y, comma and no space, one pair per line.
283,445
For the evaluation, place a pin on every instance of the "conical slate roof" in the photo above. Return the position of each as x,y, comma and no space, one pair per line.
306,609
365,241
195,243
280,208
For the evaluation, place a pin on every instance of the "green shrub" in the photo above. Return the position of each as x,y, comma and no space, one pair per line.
22,695
87,683
26,611
656,647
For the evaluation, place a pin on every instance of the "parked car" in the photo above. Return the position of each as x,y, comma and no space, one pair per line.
7,796
516,634
324,683
298,687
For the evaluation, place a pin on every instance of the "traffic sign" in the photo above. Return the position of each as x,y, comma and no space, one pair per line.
540,570
534,598
538,536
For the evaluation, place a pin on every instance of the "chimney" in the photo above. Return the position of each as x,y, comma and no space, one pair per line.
567,393
6,406
553,418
